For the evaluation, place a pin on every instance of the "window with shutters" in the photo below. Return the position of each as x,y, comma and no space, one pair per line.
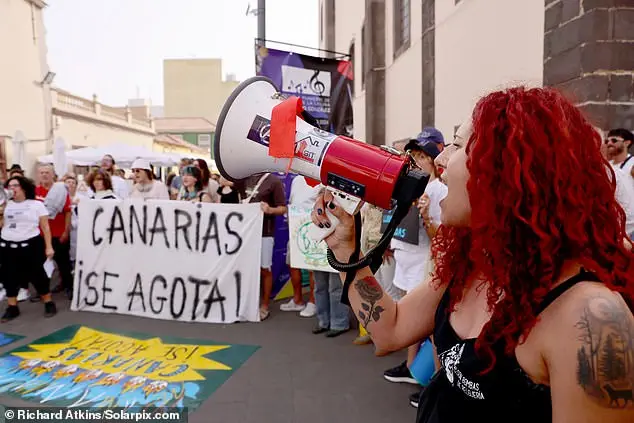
402,29
204,140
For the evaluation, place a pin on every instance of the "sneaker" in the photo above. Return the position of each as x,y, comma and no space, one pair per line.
414,398
362,340
318,329
50,309
10,313
400,374
3,294
264,314
23,295
292,306
309,311
333,333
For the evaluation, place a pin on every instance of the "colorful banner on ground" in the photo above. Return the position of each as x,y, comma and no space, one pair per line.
80,366
7,338
324,85
305,252
173,260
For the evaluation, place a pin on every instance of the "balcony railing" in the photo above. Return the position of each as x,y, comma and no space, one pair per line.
84,107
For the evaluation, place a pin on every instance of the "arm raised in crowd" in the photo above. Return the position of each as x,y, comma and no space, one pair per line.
392,325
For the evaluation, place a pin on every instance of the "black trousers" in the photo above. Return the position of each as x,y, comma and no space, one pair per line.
23,262
62,259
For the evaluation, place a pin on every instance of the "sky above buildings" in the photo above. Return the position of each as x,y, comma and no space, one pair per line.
115,48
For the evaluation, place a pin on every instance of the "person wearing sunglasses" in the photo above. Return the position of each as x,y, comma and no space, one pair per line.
145,186
619,141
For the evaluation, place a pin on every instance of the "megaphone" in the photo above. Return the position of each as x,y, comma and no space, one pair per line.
354,170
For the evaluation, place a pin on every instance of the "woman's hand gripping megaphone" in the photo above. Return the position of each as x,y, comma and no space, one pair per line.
335,224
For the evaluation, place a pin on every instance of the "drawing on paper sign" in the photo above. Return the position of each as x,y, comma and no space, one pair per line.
305,252
84,367
216,247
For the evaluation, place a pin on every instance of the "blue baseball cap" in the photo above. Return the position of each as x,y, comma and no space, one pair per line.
430,134
428,147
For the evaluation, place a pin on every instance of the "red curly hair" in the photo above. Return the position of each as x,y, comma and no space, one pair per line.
541,193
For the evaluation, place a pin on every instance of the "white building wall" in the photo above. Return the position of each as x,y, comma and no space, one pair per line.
349,16
86,133
403,78
482,46
24,102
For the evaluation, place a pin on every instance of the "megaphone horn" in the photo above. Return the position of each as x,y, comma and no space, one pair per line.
354,170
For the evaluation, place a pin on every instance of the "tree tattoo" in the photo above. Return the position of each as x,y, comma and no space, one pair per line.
605,360
370,292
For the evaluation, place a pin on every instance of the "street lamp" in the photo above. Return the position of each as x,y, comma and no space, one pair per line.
48,79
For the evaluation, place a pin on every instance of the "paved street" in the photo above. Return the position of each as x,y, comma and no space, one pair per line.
294,377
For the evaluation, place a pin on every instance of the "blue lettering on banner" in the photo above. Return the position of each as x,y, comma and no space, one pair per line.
407,230
400,233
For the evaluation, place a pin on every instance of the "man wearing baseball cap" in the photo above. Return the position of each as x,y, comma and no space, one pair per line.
429,134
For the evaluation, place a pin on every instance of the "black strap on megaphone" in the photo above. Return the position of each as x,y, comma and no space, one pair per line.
411,189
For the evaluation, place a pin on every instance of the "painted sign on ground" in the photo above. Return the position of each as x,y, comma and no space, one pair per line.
305,252
173,260
84,367
7,338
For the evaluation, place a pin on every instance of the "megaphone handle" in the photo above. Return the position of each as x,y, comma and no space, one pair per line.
319,234
346,202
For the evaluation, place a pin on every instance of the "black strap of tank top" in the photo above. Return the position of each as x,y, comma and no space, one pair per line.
565,286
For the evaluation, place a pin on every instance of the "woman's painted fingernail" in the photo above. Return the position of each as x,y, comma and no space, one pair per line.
331,205
321,225
327,225
319,211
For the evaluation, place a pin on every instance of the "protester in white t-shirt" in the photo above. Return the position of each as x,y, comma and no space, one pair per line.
618,142
301,195
624,189
625,197
22,249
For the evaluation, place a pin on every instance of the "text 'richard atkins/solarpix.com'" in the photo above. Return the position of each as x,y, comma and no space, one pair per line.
78,415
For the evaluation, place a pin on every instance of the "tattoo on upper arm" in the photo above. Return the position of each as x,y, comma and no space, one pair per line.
370,292
605,359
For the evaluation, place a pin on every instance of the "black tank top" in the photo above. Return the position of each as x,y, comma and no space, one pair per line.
504,394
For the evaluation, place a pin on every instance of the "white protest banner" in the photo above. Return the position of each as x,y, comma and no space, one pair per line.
173,260
305,252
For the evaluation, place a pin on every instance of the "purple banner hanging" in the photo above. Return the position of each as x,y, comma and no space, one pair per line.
281,273
325,87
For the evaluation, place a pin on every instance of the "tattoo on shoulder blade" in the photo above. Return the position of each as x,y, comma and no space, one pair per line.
605,360
370,292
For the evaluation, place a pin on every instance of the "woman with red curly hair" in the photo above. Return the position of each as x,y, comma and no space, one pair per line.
531,304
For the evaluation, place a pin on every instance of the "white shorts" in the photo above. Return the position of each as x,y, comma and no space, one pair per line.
409,271
267,253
